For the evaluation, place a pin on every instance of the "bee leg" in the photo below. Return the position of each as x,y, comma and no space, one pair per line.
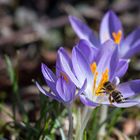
102,88
101,92
113,101
110,99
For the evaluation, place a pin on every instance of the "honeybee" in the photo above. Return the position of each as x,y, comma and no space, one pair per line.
114,95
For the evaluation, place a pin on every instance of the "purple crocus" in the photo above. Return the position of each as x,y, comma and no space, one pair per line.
111,28
62,88
101,69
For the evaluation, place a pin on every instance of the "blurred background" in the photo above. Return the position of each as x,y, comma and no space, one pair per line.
31,32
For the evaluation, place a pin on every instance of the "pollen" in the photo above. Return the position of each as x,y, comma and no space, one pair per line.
117,36
64,76
95,80
93,67
97,89
104,78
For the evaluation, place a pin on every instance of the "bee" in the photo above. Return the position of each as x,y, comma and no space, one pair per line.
114,95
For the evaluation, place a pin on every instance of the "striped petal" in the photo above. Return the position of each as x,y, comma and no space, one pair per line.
83,31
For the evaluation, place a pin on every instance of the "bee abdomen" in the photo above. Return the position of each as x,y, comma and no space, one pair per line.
117,96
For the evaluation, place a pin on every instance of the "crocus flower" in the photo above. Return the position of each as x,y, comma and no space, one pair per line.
100,70
62,88
111,28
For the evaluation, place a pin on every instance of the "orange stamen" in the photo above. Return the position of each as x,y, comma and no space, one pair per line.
117,36
64,76
93,67
105,77
94,82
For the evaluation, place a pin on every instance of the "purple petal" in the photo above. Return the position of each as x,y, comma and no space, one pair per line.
135,49
45,92
65,89
128,103
130,41
122,67
64,64
89,52
48,74
59,67
81,66
113,64
87,102
104,56
130,88
83,31
49,77
82,88
109,24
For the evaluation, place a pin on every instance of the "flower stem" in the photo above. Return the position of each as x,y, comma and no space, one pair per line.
85,118
70,132
103,117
